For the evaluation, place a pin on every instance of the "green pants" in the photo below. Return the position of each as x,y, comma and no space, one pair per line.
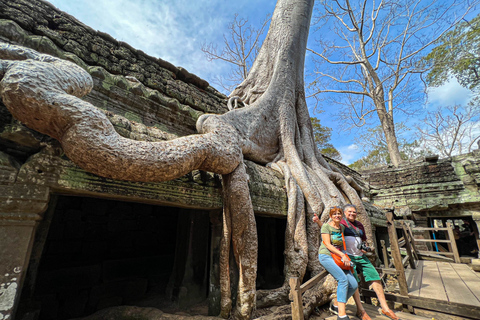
364,266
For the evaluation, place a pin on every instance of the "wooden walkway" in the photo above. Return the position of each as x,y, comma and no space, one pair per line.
375,315
451,285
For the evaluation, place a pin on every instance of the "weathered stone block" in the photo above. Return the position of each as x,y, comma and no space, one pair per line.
476,265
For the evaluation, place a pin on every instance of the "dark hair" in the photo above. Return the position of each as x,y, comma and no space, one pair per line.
335,210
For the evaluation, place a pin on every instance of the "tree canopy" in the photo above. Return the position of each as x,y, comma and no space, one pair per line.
451,130
373,141
322,136
240,48
457,54
367,57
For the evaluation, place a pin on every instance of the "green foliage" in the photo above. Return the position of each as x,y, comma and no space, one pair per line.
322,136
374,141
457,54
374,158
331,152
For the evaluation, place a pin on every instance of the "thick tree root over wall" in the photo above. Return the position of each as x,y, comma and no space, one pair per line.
273,129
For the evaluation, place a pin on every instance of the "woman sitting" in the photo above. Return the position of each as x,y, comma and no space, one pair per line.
332,243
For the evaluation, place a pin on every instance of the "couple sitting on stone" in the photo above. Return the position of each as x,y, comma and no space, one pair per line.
346,236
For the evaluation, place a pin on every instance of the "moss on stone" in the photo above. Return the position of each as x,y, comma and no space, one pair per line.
133,117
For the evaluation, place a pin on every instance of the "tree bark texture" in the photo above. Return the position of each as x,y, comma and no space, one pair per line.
273,129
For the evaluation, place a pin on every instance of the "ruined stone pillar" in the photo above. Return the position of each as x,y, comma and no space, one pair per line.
21,208
214,281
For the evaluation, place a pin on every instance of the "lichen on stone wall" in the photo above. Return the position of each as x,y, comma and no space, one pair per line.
427,185
8,292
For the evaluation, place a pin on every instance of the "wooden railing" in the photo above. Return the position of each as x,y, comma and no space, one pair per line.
397,256
452,245
409,243
297,290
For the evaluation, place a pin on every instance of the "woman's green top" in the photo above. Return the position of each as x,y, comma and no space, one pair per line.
335,238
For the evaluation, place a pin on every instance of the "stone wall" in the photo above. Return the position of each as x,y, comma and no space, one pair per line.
427,186
54,29
431,190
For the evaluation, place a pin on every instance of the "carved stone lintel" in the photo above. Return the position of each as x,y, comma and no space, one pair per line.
21,202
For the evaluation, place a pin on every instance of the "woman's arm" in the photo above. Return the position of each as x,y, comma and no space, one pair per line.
317,220
331,248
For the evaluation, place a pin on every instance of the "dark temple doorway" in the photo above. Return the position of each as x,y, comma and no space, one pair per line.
90,254
271,246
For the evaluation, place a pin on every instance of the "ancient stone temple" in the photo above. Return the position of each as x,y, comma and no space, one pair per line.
431,192
73,243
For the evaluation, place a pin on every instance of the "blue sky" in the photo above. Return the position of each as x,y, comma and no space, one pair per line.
175,30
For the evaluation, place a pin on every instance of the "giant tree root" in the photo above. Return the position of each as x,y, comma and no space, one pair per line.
243,231
43,92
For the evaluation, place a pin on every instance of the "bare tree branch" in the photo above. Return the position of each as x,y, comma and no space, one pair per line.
447,130
378,45
240,47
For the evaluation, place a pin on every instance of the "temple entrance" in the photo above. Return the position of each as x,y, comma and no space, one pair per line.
271,245
91,254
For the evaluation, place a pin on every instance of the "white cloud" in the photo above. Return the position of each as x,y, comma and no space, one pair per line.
449,94
350,153
171,30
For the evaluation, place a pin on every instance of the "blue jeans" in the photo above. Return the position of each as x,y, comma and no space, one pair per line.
346,281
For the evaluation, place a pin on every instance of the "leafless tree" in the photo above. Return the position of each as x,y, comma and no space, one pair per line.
240,48
451,130
372,60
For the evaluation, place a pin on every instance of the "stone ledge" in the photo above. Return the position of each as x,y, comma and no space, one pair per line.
476,265
50,170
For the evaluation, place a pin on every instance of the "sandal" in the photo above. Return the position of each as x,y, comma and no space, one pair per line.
390,314
363,315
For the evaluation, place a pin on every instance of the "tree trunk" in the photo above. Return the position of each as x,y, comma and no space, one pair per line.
388,127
